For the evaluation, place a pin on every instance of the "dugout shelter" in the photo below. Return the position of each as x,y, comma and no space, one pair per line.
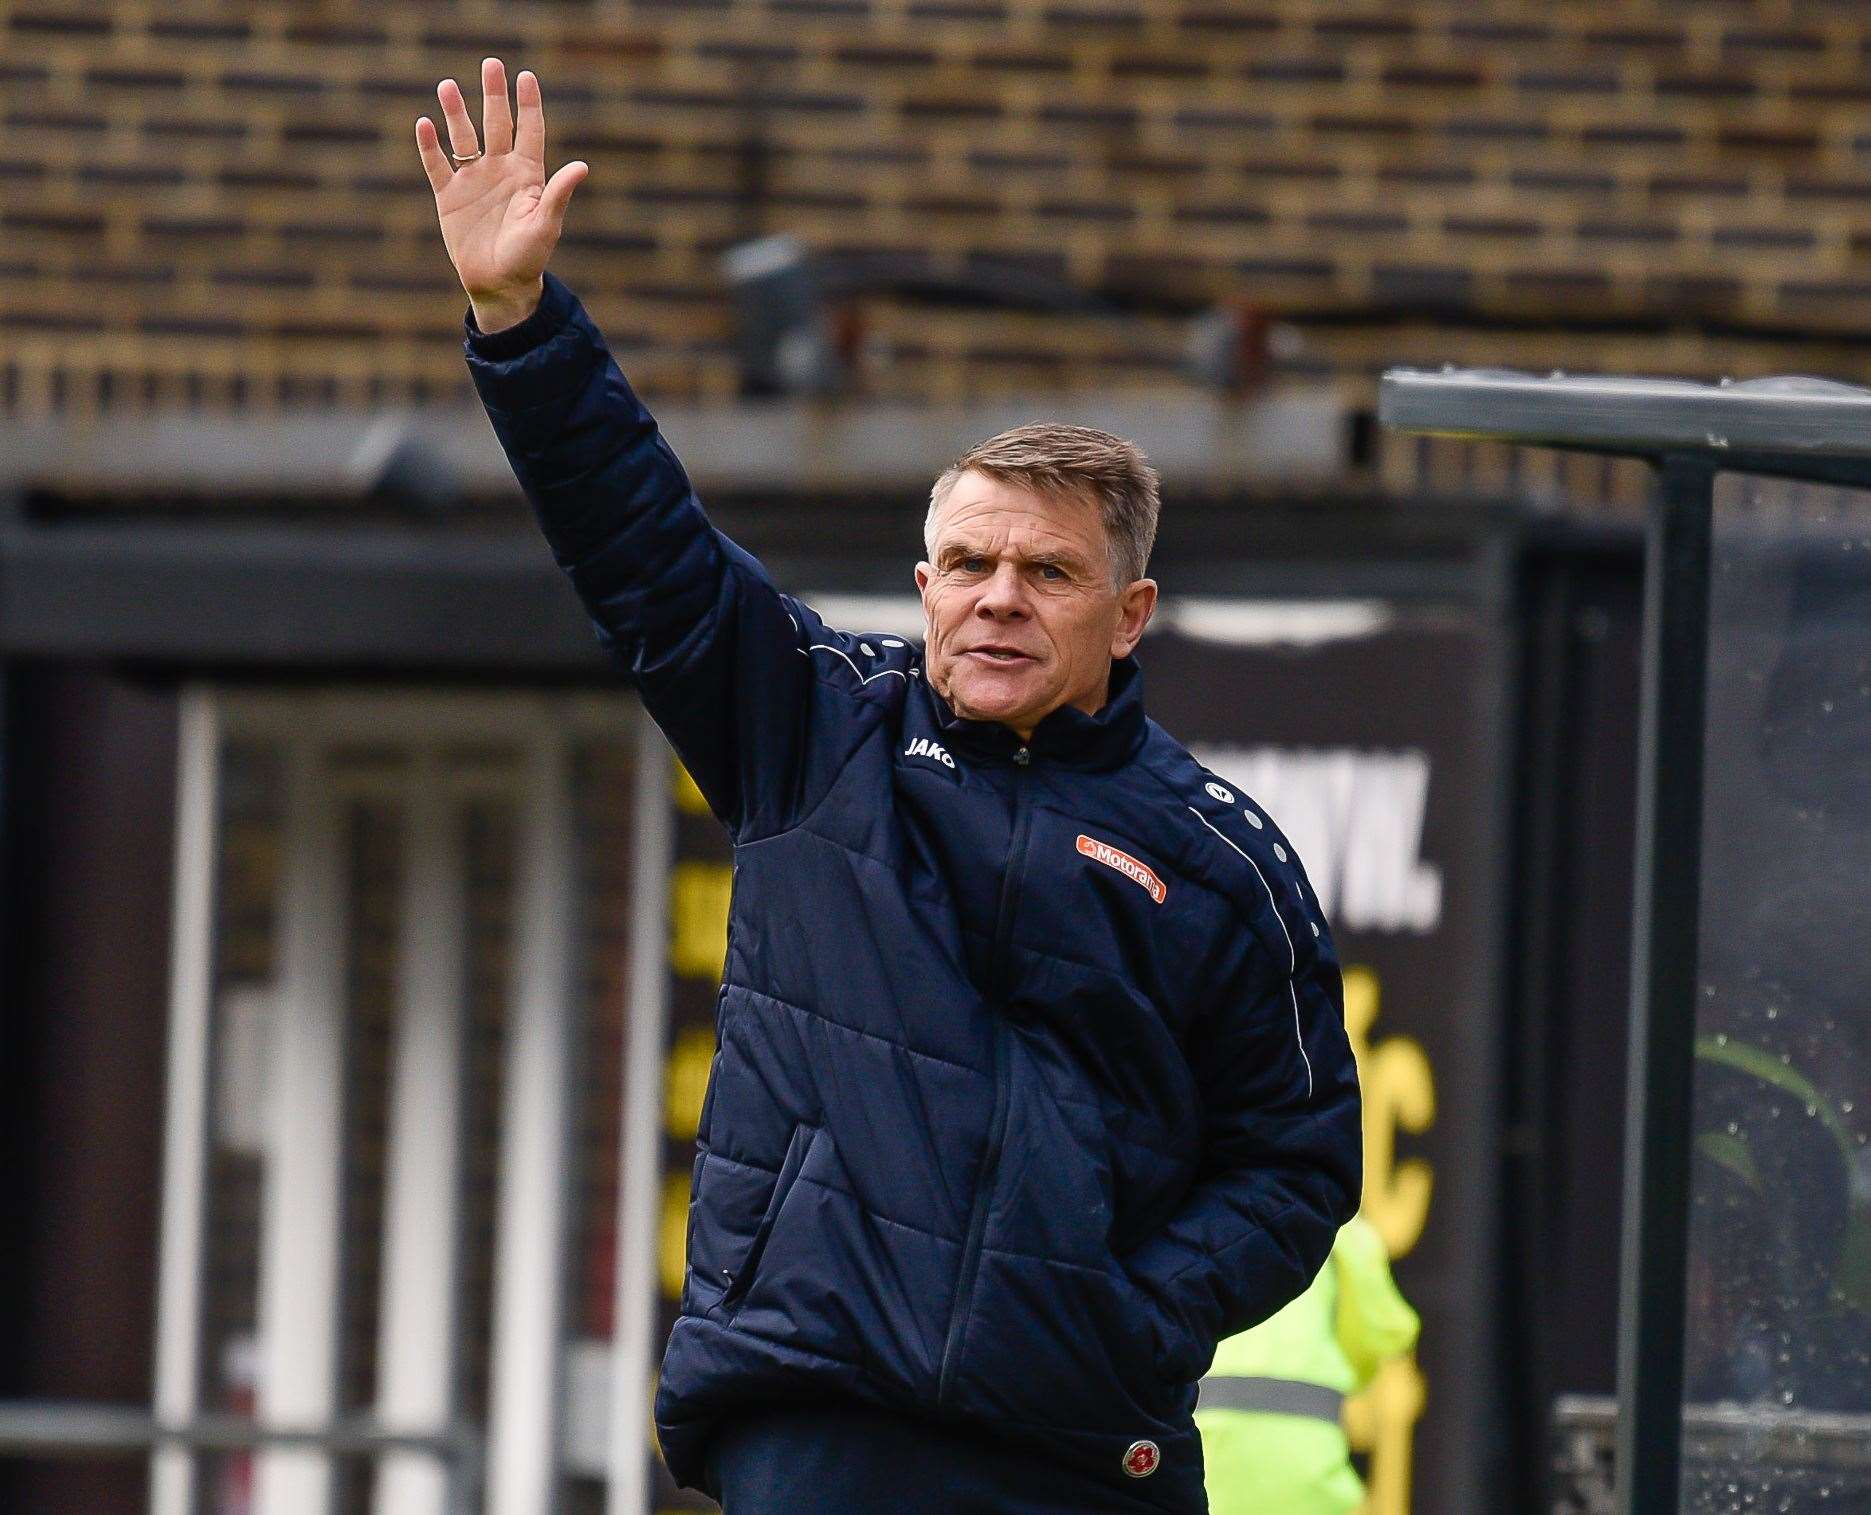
1744,1311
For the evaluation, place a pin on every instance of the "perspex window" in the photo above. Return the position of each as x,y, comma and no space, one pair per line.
1777,1382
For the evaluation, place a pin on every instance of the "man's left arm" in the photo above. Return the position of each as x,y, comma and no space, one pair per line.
1282,1158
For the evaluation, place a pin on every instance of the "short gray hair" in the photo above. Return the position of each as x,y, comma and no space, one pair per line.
1071,462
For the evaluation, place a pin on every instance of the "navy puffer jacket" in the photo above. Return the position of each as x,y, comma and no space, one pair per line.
1032,1080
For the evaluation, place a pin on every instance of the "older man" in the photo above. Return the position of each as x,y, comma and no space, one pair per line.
1032,1082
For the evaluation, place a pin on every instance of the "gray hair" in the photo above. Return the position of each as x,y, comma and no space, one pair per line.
1070,462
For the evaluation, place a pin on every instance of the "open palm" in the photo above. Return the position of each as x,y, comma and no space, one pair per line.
501,217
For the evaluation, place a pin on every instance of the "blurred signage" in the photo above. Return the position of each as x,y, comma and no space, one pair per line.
701,879
1374,746
1373,742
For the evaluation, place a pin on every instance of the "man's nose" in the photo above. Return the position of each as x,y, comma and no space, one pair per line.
1003,596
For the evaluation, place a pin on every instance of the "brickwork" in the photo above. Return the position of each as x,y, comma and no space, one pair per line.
219,204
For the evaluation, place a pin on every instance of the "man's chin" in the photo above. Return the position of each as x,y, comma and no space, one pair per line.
1008,706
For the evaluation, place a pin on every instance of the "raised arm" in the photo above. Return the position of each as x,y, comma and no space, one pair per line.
724,662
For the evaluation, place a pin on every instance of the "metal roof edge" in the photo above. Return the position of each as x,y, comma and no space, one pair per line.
1795,417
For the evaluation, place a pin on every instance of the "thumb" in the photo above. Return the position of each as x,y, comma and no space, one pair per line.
557,194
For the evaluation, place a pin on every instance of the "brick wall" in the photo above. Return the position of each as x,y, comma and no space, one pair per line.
219,204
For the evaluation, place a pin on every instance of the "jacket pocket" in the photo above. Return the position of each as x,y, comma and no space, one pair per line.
1152,1334
795,1159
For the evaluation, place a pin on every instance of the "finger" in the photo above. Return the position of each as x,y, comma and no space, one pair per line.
558,191
434,160
461,139
496,118
530,141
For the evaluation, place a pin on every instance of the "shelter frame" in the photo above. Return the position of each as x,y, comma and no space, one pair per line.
1802,430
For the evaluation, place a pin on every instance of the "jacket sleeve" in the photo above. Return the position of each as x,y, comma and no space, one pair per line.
720,656
1282,1155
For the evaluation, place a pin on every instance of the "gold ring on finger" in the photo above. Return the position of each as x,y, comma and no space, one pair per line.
458,159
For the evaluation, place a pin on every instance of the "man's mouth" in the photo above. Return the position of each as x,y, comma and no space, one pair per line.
998,654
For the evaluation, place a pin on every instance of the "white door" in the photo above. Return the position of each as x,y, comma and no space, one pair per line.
414,1102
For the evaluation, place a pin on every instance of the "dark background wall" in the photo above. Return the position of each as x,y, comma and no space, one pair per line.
1568,961
89,779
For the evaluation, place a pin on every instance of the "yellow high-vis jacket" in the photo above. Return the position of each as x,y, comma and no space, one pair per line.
1270,1406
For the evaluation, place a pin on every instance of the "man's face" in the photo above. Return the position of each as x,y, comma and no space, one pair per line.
1021,614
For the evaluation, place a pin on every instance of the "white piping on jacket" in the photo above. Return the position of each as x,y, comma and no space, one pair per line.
1293,957
806,653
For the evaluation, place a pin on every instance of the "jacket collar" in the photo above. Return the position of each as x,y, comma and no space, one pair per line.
1068,737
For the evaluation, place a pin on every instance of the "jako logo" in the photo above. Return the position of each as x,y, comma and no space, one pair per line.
923,747
1104,852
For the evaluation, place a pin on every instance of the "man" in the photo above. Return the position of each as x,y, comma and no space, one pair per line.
1031,1080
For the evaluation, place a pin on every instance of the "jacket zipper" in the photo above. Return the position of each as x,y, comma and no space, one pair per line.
959,1311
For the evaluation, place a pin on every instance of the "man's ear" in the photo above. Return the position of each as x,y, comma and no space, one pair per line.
924,573
1135,605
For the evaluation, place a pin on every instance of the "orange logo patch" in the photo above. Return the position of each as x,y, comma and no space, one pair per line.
1136,872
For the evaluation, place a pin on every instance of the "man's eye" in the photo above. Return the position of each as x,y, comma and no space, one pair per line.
1051,571
972,565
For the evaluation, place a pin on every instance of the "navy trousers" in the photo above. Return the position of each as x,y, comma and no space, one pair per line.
838,1458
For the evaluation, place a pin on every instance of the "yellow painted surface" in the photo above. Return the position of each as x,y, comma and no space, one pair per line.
1399,1095
685,1081
698,918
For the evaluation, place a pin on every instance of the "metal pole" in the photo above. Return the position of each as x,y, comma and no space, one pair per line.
302,1204
186,1117
418,1317
1663,993
525,1391
71,1429
634,1336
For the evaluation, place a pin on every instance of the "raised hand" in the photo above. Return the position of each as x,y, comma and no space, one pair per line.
501,217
